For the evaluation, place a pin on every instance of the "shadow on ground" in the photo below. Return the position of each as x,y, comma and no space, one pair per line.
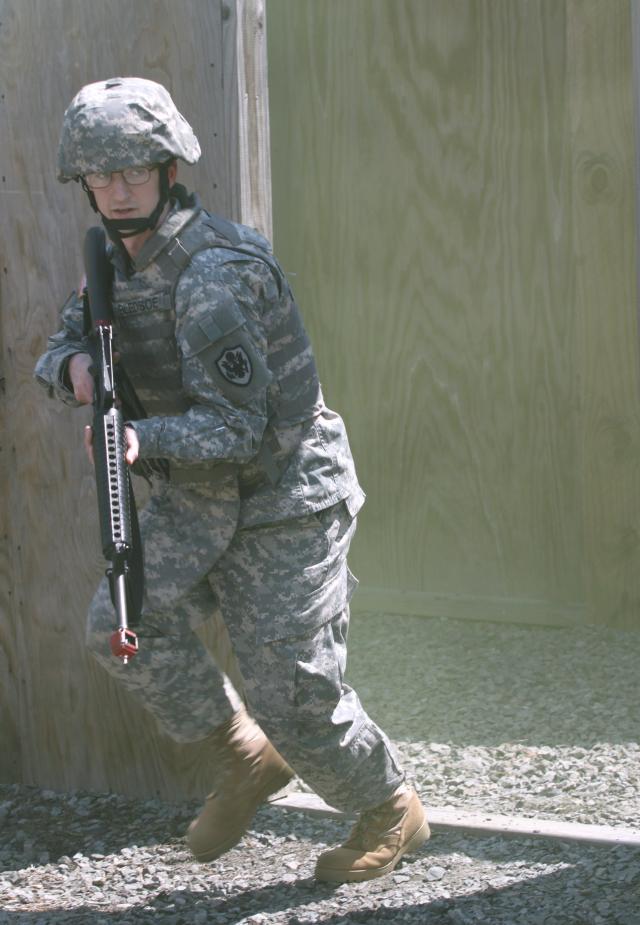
569,896
586,885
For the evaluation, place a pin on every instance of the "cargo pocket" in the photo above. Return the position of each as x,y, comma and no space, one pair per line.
317,477
321,586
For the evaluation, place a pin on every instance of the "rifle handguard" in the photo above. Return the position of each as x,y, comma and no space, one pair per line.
112,480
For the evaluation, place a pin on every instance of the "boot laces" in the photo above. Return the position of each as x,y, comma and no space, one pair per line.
373,826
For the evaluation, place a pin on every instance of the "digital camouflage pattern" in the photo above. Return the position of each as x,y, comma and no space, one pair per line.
268,580
122,122
171,343
260,509
173,674
264,580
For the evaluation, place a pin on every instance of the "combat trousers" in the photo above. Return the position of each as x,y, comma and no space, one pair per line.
283,590
173,674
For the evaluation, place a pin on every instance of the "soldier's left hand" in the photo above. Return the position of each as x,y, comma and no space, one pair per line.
133,445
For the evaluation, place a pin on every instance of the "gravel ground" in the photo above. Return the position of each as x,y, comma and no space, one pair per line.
504,719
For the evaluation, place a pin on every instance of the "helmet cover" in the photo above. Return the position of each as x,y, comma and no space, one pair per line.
122,122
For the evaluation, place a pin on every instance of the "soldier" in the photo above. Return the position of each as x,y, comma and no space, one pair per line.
260,505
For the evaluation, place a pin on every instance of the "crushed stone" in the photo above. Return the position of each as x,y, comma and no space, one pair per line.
487,717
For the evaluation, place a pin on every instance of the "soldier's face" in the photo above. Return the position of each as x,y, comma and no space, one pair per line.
121,200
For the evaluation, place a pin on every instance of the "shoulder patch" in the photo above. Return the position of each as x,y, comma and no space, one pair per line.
234,364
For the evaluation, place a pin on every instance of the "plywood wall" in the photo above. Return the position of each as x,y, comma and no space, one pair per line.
454,200
454,193
63,723
605,259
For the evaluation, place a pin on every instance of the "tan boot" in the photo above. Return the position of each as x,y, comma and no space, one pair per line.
378,840
251,769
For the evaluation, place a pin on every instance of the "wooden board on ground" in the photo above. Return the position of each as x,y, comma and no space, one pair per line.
444,820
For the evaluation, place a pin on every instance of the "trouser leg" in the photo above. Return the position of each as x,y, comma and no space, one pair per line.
296,690
284,592
173,675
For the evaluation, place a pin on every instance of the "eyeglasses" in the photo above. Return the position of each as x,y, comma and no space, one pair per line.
132,176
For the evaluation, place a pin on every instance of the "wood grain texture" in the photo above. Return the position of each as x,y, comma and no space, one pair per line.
10,752
604,203
376,600
424,175
247,111
76,728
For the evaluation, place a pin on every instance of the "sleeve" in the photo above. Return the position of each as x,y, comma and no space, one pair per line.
50,370
221,335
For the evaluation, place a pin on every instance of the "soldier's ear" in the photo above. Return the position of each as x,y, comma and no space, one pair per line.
172,172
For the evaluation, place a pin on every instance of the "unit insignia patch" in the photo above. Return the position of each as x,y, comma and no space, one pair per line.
235,366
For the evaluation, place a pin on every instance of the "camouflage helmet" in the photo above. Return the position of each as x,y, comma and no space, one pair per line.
119,123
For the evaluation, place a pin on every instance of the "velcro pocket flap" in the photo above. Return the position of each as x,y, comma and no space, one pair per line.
212,327
221,343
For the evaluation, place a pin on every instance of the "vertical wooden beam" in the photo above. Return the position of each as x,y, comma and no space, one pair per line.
10,756
247,111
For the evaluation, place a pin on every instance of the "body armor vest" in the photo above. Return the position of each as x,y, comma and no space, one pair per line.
145,319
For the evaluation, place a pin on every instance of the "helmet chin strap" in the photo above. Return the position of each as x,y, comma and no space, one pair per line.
118,229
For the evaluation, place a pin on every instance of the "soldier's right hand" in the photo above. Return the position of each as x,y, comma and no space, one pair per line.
81,378
88,442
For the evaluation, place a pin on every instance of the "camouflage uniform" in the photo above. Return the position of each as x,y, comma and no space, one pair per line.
259,509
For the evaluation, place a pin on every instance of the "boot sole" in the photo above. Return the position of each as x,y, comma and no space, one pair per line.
419,837
280,780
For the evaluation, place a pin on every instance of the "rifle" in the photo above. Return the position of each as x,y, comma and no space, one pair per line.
121,544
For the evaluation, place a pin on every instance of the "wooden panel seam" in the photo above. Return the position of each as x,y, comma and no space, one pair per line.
467,607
